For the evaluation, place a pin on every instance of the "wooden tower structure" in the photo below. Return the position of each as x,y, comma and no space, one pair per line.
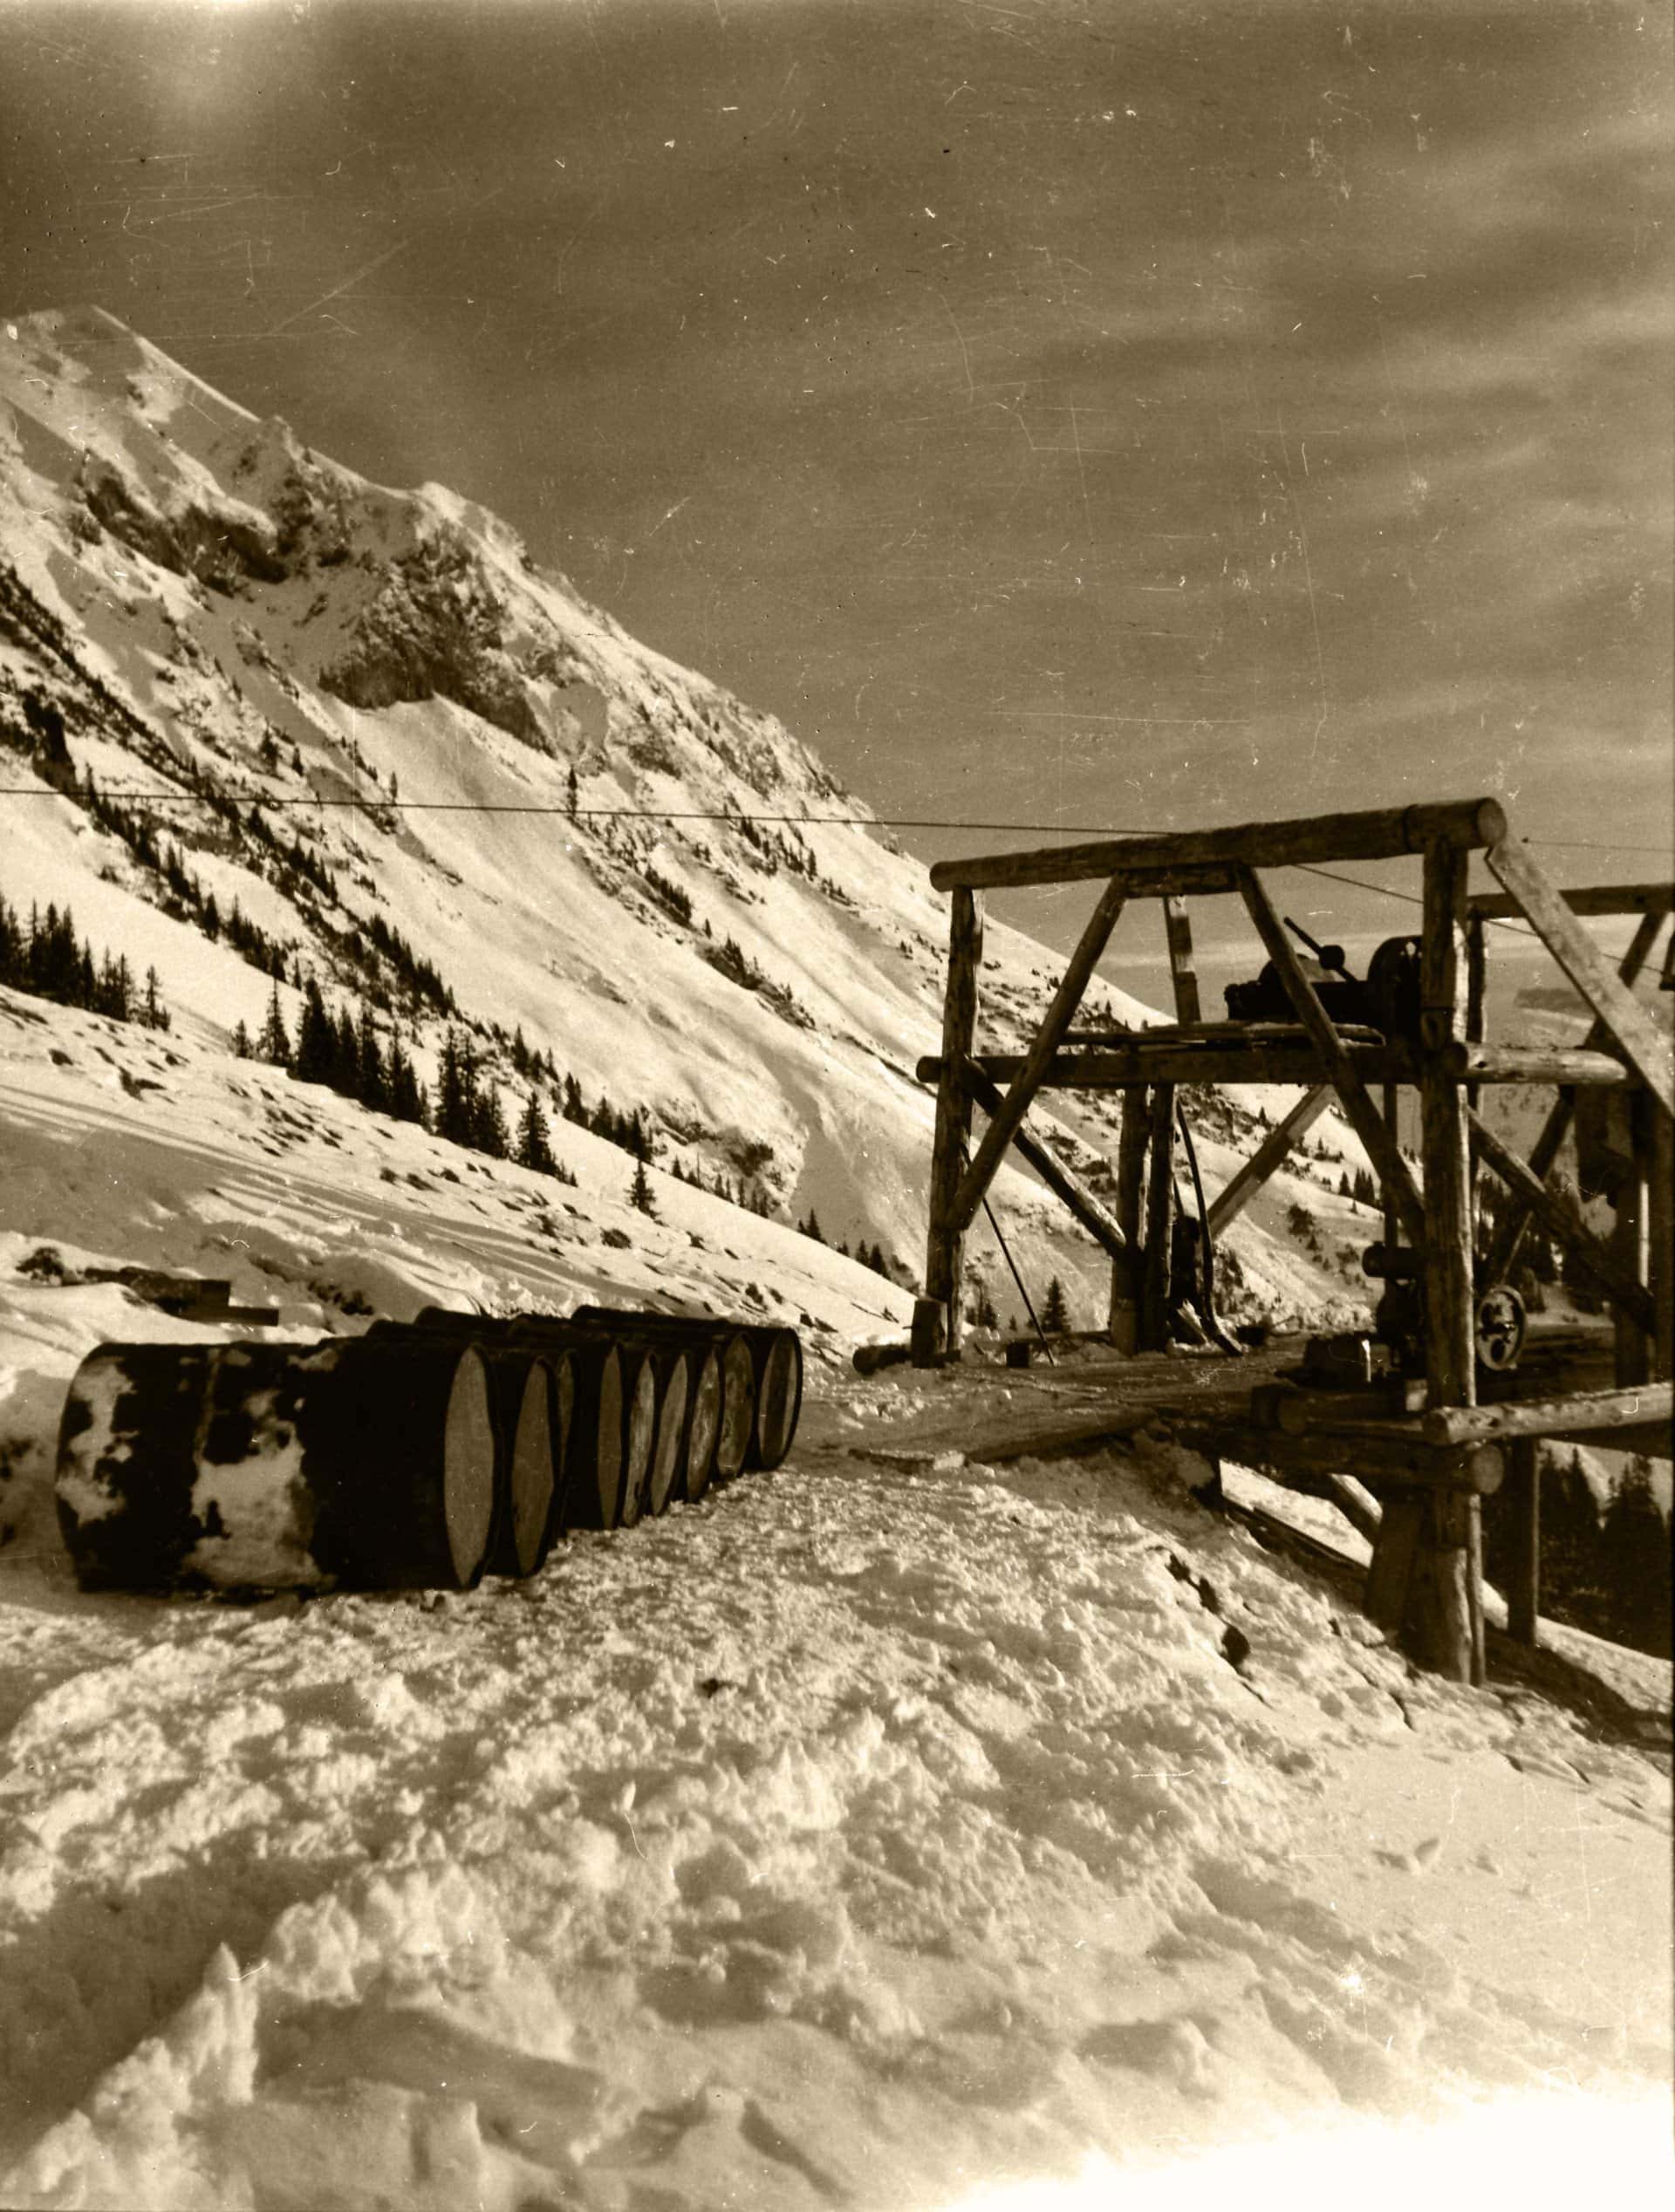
1457,1423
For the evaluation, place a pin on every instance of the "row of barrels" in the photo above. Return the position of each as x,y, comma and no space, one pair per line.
420,1455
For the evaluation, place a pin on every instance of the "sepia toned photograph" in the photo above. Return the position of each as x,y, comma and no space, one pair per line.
837,1104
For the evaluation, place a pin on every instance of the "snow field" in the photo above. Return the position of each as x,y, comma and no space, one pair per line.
853,1837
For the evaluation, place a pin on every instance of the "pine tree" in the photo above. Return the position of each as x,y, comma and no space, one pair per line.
371,1071
452,1102
639,1192
316,1038
811,1227
488,1123
274,1044
1055,1315
243,1048
575,1109
535,1139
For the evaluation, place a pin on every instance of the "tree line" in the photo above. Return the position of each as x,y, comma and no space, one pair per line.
46,959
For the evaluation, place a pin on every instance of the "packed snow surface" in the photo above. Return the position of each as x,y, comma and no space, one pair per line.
890,1824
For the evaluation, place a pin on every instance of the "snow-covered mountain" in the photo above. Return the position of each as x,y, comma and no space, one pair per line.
196,607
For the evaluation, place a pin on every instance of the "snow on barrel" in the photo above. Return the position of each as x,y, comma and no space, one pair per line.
354,1463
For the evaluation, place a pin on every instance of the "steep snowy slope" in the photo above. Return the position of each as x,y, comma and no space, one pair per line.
235,675
253,637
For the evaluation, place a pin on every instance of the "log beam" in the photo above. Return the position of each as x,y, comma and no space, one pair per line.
1577,1413
1296,1065
1126,1273
1443,1620
1102,1226
969,1196
1268,1158
1386,834
1336,1060
1627,1022
1160,1219
944,1239
1183,973
1602,899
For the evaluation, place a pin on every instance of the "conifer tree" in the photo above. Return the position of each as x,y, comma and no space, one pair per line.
534,1139
274,1044
316,1038
639,1192
489,1123
372,1073
243,1048
1055,1314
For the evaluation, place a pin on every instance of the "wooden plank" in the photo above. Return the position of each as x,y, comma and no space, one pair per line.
1576,1413
1178,929
1629,1025
1655,899
1524,1593
945,1240
1126,1273
1058,1018
1060,1179
1509,1229
1337,1061
1563,1227
1159,1219
1384,834
1268,1157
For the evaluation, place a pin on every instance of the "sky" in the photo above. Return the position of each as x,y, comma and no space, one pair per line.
1059,411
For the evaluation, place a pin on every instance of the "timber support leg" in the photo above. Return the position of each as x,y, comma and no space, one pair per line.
1127,1273
945,1243
1160,1219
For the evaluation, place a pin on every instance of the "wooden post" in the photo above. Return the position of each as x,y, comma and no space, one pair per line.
1524,1594
1178,925
1631,1246
1444,1613
1476,992
1127,1272
1160,1219
1392,1118
1662,1242
944,1241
